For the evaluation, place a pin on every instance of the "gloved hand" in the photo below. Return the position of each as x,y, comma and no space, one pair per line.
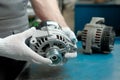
14,47
73,38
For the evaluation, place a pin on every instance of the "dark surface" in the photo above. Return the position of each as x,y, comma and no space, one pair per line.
84,67
10,69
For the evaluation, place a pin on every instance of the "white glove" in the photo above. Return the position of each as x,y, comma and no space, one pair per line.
14,47
73,38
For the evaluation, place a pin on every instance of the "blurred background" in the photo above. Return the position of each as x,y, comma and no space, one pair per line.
71,10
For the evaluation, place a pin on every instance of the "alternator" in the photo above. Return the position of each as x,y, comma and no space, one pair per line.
97,37
51,42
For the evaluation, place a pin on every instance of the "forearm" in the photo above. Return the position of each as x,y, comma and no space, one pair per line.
48,10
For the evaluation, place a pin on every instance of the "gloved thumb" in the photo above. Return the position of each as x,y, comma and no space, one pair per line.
34,57
28,33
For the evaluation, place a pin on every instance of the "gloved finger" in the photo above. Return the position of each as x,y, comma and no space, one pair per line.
71,55
28,33
36,57
38,62
70,34
73,38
